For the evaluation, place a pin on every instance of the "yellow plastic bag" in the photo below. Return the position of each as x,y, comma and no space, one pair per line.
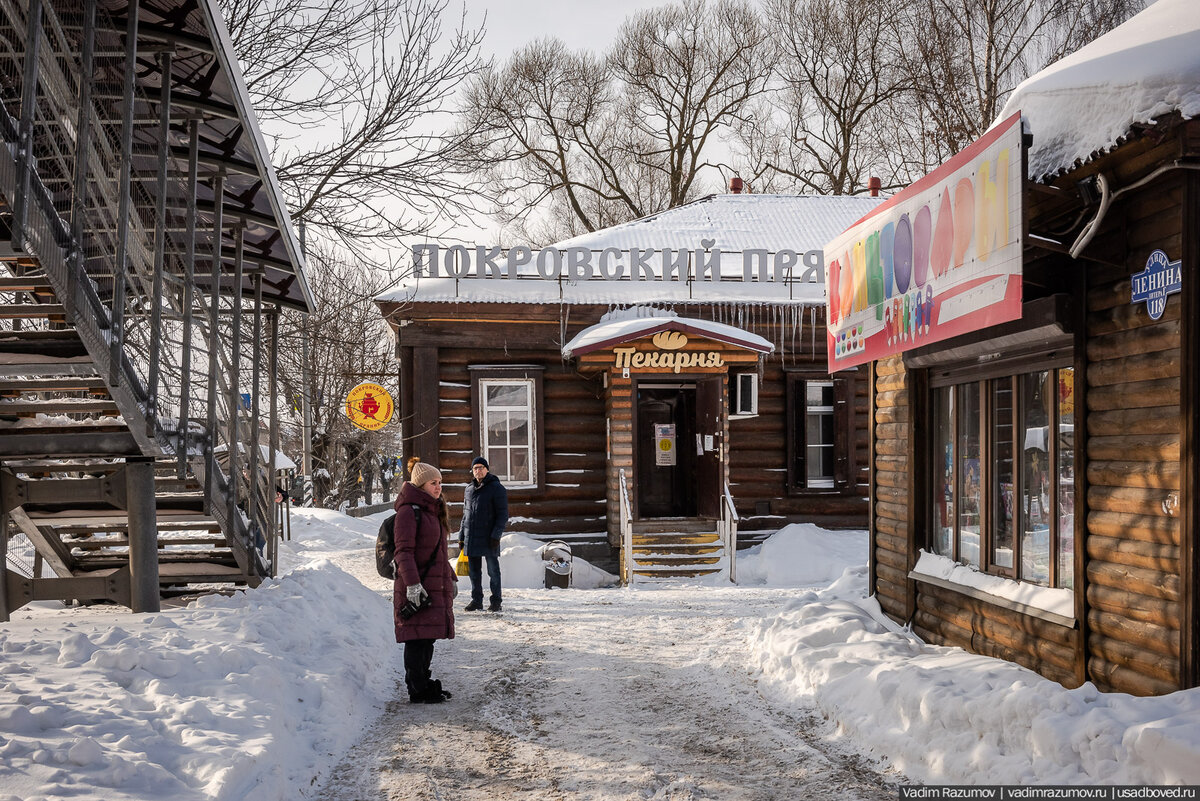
460,567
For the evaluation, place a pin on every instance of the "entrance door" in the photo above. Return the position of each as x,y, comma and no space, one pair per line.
710,429
665,450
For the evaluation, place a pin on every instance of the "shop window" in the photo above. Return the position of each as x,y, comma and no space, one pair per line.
507,423
744,397
820,433
1003,455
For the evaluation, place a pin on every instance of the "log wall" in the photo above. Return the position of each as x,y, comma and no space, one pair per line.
1132,543
891,531
1135,581
578,490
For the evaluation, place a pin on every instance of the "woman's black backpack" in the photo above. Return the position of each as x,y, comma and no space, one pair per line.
385,543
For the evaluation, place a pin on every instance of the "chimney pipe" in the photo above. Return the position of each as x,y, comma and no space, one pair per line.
735,185
875,184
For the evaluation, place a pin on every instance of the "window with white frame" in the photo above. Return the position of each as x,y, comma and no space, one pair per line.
820,433
508,438
744,397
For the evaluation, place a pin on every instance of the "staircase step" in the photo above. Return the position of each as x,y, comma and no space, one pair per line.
17,386
676,539
674,525
30,311
58,406
682,550
663,560
671,572
163,543
25,283
31,347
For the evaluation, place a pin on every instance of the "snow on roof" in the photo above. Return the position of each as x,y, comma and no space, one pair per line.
732,223
1089,100
623,329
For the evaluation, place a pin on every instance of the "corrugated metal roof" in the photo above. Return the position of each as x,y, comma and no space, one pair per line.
737,223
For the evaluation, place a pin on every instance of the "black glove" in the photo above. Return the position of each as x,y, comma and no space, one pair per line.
495,545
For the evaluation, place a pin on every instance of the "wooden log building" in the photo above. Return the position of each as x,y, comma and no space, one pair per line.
685,356
1033,483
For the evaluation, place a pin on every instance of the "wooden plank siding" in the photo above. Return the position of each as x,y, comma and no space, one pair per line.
588,432
1132,544
1136,506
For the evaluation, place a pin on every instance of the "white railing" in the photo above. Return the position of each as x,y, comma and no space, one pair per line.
626,532
727,529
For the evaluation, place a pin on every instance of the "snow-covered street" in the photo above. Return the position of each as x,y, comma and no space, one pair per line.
790,685
606,695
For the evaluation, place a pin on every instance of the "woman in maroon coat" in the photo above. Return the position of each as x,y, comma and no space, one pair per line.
423,570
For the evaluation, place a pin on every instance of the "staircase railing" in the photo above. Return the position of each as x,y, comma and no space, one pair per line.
146,324
727,526
626,531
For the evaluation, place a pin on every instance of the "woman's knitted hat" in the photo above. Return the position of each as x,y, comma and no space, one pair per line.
421,474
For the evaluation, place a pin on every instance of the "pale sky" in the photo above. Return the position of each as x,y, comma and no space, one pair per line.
579,23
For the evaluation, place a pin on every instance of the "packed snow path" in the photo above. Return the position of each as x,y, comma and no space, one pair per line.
605,694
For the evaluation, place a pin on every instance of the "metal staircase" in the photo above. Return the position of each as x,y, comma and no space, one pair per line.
144,257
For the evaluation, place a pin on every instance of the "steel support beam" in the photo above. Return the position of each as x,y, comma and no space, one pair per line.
46,542
25,158
143,535
214,339
21,590
117,320
273,437
160,233
189,282
235,400
4,604
253,503
83,145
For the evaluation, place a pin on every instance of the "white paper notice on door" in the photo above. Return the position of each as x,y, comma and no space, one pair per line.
664,444
709,445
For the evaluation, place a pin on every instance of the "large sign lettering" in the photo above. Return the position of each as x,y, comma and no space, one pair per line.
702,263
939,259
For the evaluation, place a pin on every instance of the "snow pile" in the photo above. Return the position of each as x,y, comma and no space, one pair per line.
1059,600
1135,73
943,715
521,565
801,555
230,698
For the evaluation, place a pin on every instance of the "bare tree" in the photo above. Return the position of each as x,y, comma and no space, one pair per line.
839,65
353,92
349,343
604,140
966,57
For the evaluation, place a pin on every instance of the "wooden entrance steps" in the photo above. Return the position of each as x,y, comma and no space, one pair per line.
676,548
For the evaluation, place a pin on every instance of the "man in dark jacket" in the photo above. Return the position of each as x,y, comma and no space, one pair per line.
485,514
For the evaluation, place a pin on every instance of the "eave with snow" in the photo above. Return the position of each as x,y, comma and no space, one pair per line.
1034,481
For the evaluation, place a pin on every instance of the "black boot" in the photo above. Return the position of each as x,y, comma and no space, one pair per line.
434,694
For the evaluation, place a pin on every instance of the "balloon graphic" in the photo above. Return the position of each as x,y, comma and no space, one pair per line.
902,248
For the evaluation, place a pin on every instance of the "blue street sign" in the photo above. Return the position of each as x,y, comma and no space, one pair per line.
1154,284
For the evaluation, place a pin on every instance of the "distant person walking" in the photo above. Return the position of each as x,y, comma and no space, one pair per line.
485,514
425,581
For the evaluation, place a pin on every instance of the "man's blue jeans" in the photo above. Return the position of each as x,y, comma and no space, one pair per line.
475,566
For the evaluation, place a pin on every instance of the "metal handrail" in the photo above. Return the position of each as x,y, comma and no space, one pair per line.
729,530
626,531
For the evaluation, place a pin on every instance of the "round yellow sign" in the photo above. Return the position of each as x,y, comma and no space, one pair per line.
369,406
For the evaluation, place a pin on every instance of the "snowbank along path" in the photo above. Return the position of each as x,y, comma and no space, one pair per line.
612,694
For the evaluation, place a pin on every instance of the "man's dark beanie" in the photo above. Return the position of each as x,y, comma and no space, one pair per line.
482,461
